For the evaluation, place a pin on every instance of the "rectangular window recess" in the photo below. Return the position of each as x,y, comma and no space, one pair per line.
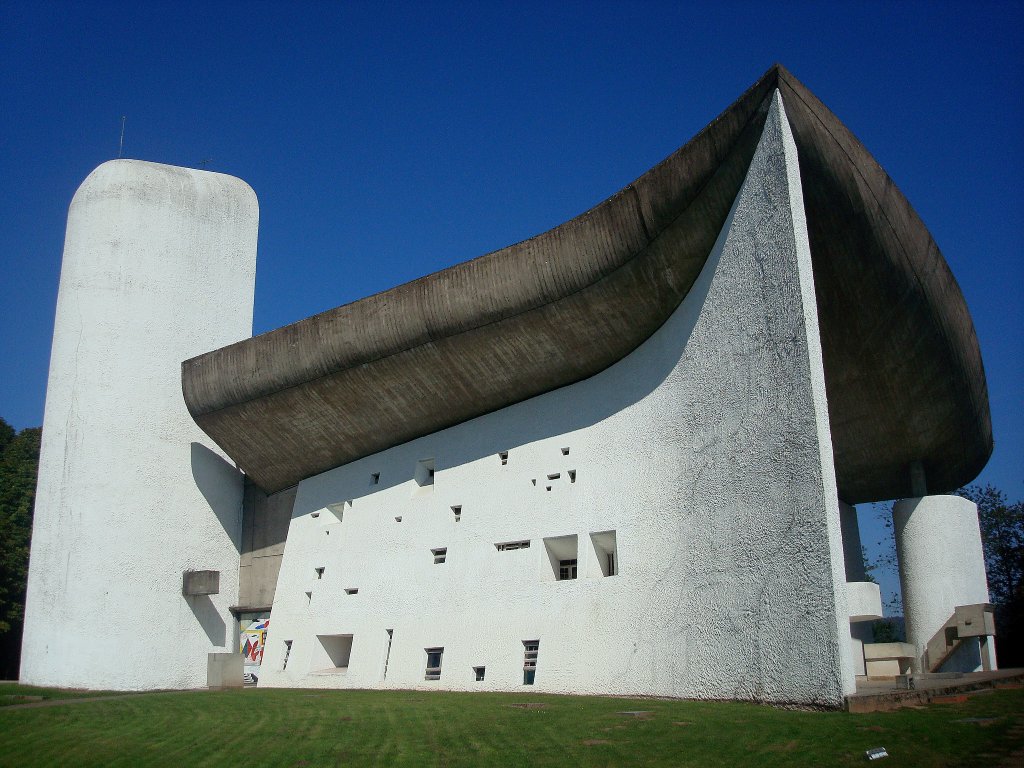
508,546
503,455
478,673
328,531
352,590
565,451
314,514
548,488
572,475
555,476
439,554
374,478
334,652
562,552
533,480
457,511
319,572
309,597
530,651
398,518
424,474
287,653
606,551
433,671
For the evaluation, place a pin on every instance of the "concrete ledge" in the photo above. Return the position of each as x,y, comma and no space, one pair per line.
882,696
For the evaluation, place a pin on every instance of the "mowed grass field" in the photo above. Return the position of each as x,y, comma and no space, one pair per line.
414,728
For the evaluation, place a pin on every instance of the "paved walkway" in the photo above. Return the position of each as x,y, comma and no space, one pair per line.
918,690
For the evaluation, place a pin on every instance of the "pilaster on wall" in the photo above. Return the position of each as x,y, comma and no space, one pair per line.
159,265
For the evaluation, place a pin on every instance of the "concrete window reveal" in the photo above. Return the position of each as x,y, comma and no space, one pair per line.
375,478
530,650
433,663
606,552
572,475
338,510
504,457
562,552
319,572
508,546
287,653
457,511
439,554
565,451
334,652
478,673
424,475
352,590
387,654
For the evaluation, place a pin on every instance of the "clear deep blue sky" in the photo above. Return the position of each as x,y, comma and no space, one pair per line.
386,141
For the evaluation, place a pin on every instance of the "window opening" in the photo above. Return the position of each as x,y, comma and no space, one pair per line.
565,451
555,476
457,511
287,653
439,554
398,518
562,552
319,572
387,655
314,515
337,650
352,590
478,673
424,474
572,475
309,598
503,455
606,552
433,663
566,570
508,546
374,478
530,650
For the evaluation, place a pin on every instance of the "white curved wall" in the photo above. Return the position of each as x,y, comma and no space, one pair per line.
159,266
941,561
707,450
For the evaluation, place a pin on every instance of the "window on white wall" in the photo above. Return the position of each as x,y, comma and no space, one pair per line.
433,663
287,653
530,650
606,552
478,673
503,455
457,511
334,652
562,552
439,554
424,474
509,546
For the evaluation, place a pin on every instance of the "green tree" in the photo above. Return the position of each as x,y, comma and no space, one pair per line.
19,463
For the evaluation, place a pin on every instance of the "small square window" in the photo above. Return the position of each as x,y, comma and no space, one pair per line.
478,673
375,478
319,572
503,455
352,590
424,474
439,554
565,451
433,663
566,570
457,511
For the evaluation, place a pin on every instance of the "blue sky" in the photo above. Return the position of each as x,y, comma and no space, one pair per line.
389,140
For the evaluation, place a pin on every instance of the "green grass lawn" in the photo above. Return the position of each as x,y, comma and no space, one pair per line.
12,693
326,728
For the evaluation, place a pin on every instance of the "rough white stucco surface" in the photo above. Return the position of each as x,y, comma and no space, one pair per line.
706,451
159,266
942,565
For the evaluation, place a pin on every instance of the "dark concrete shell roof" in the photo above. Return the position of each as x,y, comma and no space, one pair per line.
903,370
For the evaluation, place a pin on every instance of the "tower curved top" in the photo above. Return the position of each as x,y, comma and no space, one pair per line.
903,369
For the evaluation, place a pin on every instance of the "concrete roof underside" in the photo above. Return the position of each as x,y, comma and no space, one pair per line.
903,370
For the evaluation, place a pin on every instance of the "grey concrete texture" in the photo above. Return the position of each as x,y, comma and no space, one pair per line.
903,367
265,521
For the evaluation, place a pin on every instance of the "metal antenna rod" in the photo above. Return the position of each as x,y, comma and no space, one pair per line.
120,147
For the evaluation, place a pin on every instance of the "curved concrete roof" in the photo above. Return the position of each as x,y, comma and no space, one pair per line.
903,370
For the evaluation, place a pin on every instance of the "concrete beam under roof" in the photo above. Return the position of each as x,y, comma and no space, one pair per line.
903,370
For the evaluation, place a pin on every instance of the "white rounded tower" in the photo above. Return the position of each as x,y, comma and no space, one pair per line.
159,265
